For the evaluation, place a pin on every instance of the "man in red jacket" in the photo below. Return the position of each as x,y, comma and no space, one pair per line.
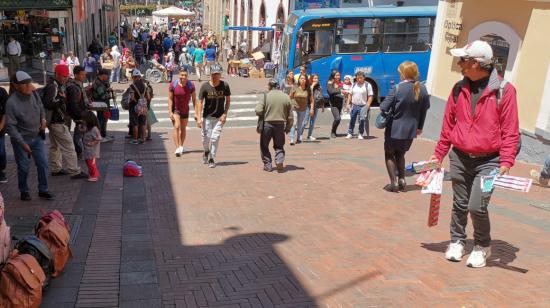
481,130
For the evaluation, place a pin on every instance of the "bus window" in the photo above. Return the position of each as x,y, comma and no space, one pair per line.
356,35
315,40
406,34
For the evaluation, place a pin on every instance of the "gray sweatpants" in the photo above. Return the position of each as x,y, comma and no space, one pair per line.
211,133
466,175
275,131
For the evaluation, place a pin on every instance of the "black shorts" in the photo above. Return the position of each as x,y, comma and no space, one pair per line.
136,119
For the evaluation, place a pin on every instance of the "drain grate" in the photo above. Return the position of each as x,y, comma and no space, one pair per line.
24,226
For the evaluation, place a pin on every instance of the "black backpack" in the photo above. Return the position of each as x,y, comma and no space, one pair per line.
35,247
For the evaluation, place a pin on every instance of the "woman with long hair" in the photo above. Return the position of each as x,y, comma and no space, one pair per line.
318,102
408,103
336,99
289,83
301,97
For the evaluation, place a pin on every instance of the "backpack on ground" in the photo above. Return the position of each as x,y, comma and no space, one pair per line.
53,231
5,235
35,247
21,281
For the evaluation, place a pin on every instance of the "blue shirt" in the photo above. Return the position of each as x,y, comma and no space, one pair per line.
211,54
167,43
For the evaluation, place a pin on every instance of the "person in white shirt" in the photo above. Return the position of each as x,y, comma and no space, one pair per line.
361,97
72,61
14,53
115,72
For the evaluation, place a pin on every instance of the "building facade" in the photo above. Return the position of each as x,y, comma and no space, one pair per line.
55,27
517,32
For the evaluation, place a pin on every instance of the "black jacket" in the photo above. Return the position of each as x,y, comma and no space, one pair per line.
76,103
54,102
409,114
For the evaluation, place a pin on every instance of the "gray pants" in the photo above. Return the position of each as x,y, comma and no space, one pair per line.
466,175
211,133
275,131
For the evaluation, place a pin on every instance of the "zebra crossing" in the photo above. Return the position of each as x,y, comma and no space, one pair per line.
241,114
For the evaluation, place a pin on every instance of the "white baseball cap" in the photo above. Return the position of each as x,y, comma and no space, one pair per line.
479,50
136,73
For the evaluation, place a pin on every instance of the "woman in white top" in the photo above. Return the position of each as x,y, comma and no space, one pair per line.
72,61
361,97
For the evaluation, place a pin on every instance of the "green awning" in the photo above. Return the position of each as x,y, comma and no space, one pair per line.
9,5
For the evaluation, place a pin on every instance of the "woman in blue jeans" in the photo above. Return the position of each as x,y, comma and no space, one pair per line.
302,98
311,115
361,97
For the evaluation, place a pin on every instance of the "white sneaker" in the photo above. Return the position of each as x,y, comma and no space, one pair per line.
349,136
478,257
360,137
182,150
455,252
311,138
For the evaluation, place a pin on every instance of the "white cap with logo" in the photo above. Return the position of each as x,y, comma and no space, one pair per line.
481,51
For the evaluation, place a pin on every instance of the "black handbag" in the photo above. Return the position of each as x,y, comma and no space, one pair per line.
384,118
260,125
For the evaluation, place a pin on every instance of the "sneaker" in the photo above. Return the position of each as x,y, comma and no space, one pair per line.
133,141
3,178
268,168
78,176
211,163
360,137
292,142
349,136
455,252
311,138
93,179
298,141
177,152
535,175
205,157
182,150
25,196
46,195
478,257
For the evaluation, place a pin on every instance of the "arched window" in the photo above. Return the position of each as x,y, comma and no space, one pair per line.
506,45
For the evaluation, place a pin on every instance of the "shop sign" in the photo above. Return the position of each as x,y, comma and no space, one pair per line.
35,4
453,27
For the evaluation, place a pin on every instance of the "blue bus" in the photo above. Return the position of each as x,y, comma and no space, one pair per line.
374,40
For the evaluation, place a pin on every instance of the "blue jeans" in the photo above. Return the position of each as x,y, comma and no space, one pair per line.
115,75
310,120
356,112
23,161
298,124
544,173
3,159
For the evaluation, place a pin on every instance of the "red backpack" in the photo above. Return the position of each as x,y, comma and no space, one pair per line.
54,232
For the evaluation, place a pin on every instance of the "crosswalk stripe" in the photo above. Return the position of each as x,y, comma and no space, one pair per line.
233,97
163,111
191,119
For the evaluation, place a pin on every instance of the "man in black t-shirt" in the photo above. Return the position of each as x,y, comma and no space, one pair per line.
3,159
215,96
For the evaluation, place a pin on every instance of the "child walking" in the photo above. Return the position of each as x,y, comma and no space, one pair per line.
91,140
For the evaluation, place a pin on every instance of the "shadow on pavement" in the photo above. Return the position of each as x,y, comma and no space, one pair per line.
293,168
235,269
502,253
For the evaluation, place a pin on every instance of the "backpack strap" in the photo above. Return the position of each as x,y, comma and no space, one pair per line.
456,90
501,89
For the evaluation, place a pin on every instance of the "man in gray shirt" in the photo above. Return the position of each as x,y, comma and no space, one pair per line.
26,123
275,108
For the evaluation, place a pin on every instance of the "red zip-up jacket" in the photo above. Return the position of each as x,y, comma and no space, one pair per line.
492,129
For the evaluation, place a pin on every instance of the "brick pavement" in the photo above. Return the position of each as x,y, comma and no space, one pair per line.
324,234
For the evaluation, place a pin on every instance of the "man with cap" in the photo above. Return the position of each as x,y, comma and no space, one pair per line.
62,151
276,110
102,92
211,112
138,116
26,123
481,131
77,103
